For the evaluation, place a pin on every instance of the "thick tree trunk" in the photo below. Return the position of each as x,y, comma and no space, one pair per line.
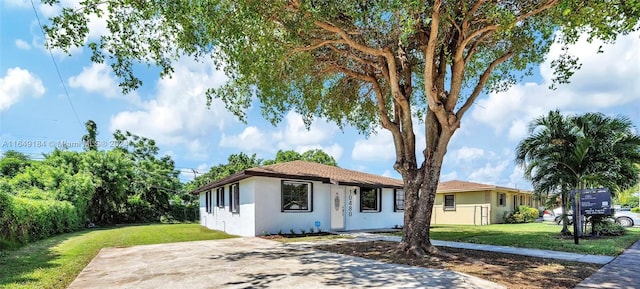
421,185
417,219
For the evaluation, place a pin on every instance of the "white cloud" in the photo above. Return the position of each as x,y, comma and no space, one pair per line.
378,147
467,154
96,78
489,174
293,135
448,176
18,83
250,139
517,177
21,44
606,80
296,134
178,114
17,3
518,130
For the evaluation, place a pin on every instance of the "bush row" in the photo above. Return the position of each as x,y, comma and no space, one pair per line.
25,220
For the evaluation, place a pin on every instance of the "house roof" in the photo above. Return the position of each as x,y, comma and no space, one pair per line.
302,170
462,186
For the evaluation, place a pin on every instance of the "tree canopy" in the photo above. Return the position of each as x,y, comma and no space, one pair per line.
241,161
367,64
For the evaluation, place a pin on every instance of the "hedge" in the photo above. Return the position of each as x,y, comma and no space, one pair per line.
25,220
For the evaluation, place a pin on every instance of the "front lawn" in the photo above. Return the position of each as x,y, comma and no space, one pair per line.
534,235
55,262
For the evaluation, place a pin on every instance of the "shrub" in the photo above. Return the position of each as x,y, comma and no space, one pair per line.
635,210
524,214
24,220
608,228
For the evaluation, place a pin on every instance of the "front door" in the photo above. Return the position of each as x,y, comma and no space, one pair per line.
337,209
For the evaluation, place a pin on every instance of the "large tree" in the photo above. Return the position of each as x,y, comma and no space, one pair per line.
368,64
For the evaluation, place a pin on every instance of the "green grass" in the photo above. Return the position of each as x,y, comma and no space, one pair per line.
55,262
535,235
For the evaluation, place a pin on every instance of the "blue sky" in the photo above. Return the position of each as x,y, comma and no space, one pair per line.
36,114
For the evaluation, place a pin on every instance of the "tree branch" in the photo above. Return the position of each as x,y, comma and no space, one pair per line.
481,82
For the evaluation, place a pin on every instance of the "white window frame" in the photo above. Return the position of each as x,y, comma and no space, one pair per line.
234,198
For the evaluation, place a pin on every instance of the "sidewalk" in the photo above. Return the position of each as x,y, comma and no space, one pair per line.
621,273
596,259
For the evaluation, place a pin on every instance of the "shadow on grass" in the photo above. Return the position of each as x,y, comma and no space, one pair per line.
18,264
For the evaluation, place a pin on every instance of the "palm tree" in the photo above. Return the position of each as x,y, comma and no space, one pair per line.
550,137
563,153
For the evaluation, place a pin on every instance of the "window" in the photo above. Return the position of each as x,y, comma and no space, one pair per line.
297,196
521,200
449,202
370,200
234,198
502,199
220,197
207,201
398,200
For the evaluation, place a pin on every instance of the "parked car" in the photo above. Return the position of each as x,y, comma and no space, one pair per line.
551,215
624,217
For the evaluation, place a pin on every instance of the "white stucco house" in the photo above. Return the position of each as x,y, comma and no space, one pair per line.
300,195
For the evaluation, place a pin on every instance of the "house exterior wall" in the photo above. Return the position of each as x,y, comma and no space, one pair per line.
222,219
471,208
270,218
358,220
478,207
261,210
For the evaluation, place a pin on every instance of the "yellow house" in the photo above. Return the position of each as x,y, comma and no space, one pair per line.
467,203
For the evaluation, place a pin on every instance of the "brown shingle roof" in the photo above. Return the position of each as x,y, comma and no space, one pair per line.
462,186
303,170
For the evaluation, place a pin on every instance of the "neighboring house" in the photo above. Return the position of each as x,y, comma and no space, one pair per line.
459,202
300,195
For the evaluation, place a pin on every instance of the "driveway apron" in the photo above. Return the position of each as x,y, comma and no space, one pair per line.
255,263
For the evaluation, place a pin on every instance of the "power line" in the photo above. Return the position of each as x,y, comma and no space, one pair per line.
55,64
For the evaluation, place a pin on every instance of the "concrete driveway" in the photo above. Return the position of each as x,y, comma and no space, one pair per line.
254,263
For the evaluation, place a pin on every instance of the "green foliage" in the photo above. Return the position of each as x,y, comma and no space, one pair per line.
319,156
241,161
128,184
89,140
567,152
24,220
635,210
524,214
627,198
12,162
183,211
608,228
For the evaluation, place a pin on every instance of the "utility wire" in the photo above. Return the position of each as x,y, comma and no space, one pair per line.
55,64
